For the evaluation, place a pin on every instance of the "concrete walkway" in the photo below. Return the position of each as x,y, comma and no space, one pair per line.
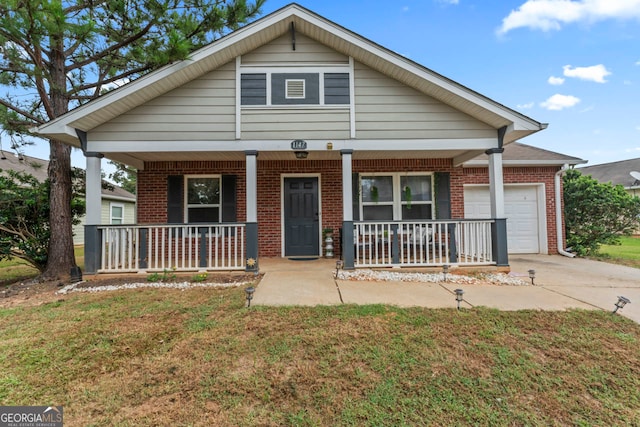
561,283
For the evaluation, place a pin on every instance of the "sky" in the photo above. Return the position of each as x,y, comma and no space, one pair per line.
574,64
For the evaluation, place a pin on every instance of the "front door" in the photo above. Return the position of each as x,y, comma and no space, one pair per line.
301,222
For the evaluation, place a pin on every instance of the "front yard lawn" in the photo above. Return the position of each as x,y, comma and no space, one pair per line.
198,357
627,253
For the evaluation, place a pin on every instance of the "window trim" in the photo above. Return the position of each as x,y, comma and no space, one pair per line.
111,216
397,201
186,203
320,70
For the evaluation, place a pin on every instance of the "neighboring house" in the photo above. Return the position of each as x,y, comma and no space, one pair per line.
624,172
118,205
294,125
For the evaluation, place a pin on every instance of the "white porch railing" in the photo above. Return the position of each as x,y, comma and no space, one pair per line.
424,243
133,248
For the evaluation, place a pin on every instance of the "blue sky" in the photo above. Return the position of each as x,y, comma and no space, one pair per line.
574,64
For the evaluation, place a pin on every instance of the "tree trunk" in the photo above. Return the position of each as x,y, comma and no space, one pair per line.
61,255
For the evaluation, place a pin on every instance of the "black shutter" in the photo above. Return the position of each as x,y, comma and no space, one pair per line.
443,195
229,206
175,197
355,188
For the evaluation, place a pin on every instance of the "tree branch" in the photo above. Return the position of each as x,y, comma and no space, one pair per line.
21,112
112,79
111,49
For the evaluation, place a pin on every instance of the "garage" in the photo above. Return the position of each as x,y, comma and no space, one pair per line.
523,208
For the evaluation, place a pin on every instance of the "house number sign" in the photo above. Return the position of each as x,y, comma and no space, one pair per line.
298,144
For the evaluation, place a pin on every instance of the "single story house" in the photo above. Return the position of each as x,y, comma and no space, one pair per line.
118,206
294,133
623,172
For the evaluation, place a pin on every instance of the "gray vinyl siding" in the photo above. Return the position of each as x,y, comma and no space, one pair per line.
385,108
293,123
203,109
308,51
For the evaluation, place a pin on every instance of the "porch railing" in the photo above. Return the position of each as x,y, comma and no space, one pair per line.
423,243
133,248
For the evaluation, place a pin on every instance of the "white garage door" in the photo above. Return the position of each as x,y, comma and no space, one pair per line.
521,208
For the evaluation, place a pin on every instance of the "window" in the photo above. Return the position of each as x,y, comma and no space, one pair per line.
388,197
302,88
202,198
116,213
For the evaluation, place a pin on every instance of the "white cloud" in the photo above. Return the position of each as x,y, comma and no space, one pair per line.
559,102
525,106
449,1
115,84
405,9
637,62
549,15
595,73
556,81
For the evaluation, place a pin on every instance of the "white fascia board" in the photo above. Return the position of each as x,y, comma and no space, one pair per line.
285,145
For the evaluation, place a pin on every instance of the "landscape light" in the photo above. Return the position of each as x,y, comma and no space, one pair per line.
459,293
338,266
532,275
249,291
445,270
622,301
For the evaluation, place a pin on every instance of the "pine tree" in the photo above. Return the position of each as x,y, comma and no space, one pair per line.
58,54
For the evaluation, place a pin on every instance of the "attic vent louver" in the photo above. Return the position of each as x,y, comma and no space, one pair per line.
295,89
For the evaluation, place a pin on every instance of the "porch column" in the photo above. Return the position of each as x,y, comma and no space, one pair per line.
252,209
496,195
347,211
93,198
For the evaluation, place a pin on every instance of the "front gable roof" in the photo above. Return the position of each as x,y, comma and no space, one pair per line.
263,31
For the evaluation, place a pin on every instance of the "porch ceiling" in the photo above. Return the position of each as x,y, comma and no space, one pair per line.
138,159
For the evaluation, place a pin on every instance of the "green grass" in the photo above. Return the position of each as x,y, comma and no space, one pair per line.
15,269
627,253
198,357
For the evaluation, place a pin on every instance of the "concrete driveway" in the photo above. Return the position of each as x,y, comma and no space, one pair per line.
561,283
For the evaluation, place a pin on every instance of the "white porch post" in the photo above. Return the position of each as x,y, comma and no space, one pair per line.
94,190
496,182
252,208
347,210
496,195
93,199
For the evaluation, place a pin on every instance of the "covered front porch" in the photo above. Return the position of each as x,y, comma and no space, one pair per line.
442,237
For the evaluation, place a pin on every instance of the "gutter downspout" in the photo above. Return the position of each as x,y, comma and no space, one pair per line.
559,230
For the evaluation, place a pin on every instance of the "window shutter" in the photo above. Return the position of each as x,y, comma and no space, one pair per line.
443,195
253,89
175,199
355,188
336,88
229,205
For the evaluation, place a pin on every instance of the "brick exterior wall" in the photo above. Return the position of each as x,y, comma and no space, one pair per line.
152,189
